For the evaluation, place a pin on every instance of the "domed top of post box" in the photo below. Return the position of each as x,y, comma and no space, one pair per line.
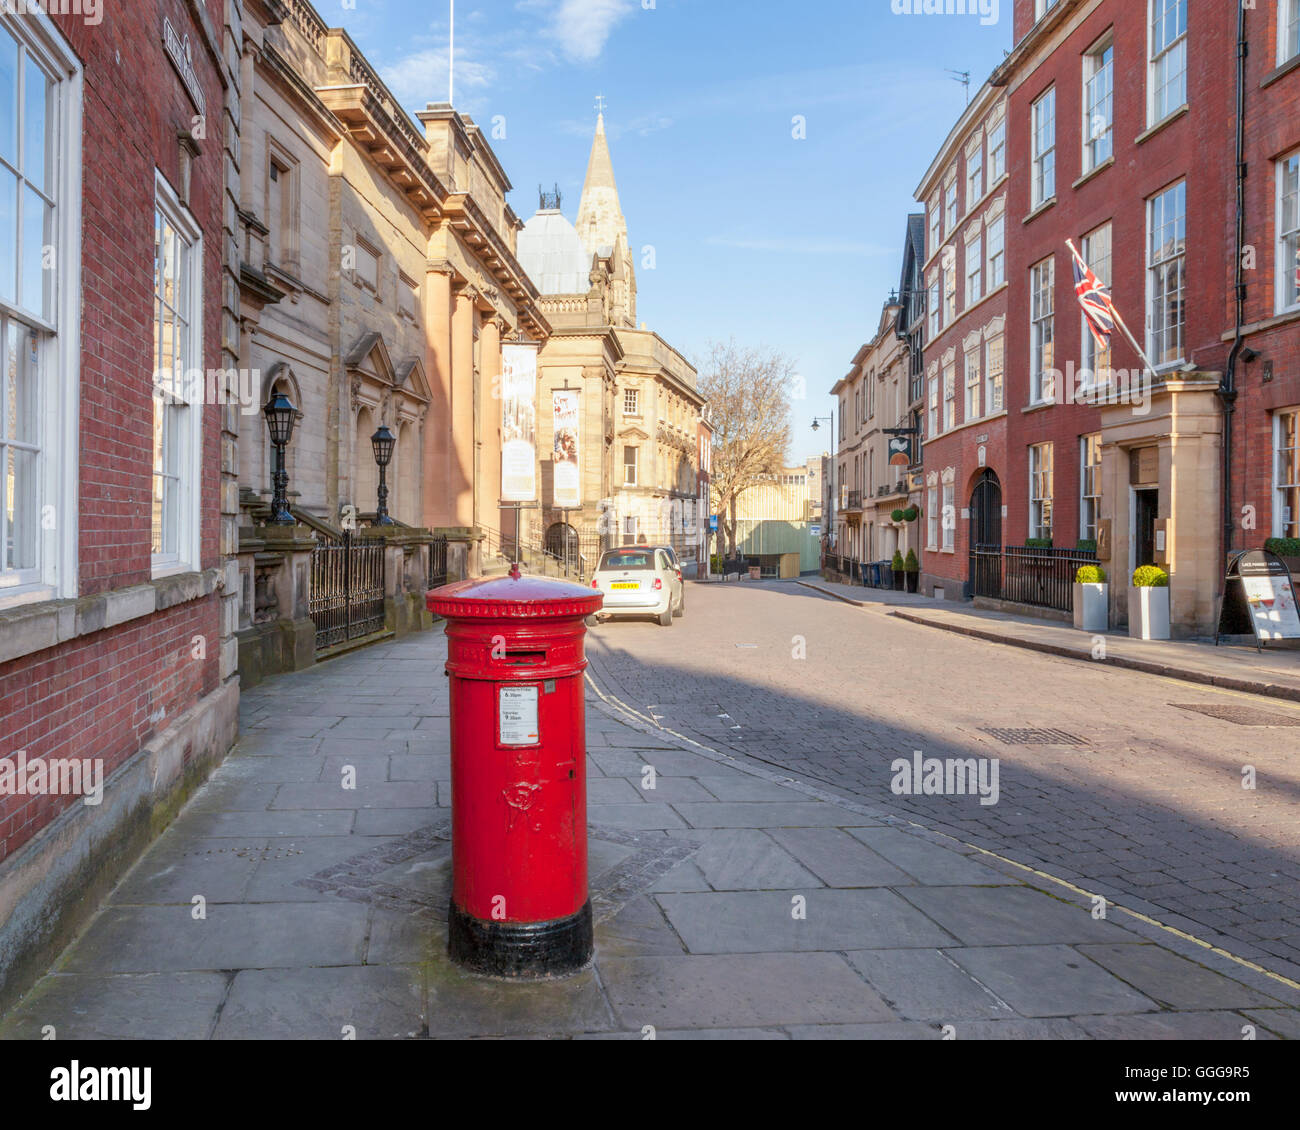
513,596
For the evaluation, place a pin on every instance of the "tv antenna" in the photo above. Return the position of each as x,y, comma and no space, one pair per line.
962,77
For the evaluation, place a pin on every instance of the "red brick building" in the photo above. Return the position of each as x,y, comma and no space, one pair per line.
1264,370
965,193
1118,140
116,664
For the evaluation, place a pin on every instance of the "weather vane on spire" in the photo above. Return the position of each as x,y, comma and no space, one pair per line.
600,103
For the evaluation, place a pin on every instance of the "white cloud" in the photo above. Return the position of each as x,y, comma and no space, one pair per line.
582,27
422,76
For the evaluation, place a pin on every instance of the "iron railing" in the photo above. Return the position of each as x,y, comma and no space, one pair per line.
346,602
436,562
1021,574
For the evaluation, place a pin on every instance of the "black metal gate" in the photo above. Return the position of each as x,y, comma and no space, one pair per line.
347,589
986,537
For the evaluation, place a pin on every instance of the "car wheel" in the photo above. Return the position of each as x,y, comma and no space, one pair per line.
681,605
666,618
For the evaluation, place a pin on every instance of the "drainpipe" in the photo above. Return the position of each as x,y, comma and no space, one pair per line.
1228,387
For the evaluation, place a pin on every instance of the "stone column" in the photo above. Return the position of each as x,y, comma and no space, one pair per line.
437,424
460,473
489,424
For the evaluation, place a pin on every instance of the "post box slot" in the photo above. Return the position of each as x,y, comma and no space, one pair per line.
525,658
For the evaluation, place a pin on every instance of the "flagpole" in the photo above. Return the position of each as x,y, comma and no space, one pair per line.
451,59
1119,319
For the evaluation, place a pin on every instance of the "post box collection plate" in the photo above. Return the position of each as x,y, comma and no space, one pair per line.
517,716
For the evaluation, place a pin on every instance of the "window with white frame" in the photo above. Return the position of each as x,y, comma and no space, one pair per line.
950,204
177,394
972,384
950,396
1043,180
934,303
1042,330
40,225
630,454
933,421
974,175
1089,485
993,378
1040,491
932,518
936,231
1288,229
1167,70
997,247
1286,474
949,517
1098,104
1288,30
974,268
997,150
631,402
950,287
1042,7
1166,274
1094,362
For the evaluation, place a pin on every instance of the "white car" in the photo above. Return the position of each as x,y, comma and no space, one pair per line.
639,580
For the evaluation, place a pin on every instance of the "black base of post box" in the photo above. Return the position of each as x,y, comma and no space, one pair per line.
521,950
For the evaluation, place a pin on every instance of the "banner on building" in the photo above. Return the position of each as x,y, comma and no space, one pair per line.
567,483
519,423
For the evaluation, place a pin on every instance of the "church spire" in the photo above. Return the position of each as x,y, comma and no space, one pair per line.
600,215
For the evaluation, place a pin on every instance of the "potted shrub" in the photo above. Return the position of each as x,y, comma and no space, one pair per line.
899,568
1289,550
1091,599
911,514
1148,604
913,569
898,517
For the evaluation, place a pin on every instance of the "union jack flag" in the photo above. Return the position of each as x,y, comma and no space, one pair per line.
1094,297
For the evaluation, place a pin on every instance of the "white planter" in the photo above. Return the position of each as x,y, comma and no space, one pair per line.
1148,613
1092,607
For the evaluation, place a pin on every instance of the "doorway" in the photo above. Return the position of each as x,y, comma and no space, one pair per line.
986,536
1146,508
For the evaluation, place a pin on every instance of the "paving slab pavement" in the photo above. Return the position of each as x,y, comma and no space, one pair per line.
730,902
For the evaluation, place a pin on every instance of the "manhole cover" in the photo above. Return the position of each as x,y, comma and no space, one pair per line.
1241,715
1032,737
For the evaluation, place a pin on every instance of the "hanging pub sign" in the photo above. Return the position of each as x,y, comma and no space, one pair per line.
567,487
519,423
1258,598
900,451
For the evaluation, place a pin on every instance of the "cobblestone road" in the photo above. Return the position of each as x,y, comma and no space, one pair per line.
1148,810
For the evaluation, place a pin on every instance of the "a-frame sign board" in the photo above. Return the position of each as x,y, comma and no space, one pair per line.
1258,599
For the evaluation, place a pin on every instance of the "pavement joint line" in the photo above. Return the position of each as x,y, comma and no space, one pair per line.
616,705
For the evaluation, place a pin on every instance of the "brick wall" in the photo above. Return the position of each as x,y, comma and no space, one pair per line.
104,695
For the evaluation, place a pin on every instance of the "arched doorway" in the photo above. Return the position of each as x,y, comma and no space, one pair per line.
986,536
562,543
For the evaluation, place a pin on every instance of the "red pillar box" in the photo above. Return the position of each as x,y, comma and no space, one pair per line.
515,656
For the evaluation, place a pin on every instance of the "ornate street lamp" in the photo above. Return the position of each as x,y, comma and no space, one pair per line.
280,415
383,441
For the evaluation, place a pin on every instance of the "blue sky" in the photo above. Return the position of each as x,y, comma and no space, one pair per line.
789,243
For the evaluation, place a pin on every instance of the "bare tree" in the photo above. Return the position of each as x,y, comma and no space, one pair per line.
748,390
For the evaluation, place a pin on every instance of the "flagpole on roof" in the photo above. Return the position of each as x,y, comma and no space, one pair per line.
1119,318
451,59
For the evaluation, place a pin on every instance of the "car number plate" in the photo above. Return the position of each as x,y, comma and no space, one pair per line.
625,585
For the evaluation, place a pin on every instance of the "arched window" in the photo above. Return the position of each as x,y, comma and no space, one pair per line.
365,478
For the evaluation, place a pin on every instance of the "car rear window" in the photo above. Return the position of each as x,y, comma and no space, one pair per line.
638,559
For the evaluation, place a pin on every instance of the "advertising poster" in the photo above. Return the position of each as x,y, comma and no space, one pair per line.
1272,606
568,479
519,423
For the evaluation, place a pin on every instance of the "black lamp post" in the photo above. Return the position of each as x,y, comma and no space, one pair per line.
827,518
280,415
382,442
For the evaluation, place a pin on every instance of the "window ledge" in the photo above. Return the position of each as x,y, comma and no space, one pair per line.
1039,209
1163,123
1283,319
35,627
1106,164
1280,71
1038,406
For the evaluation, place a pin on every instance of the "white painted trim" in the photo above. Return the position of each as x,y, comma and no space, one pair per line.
1279,306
